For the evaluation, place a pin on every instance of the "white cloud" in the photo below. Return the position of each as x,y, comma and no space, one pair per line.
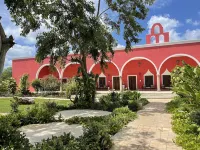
18,51
120,46
171,25
193,22
160,3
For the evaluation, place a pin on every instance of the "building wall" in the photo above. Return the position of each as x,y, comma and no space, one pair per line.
159,56
138,68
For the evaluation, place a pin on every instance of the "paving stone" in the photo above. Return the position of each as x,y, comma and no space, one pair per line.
150,131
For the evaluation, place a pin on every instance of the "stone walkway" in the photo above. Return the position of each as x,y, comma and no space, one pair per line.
150,131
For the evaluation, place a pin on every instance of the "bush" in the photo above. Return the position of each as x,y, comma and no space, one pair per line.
24,85
50,83
71,87
12,86
134,105
195,117
10,137
174,104
3,88
36,84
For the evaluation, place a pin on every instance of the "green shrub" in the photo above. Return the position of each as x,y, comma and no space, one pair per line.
36,84
174,104
143,101
50,83
71,87
3,87
10,137
24,85
134,105
195,117
12,86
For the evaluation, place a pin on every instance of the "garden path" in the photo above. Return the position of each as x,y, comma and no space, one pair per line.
150,131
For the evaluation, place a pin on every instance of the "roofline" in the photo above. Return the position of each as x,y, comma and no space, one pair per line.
140,46
161,44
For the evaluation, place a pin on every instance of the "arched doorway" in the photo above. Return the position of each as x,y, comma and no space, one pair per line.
170,63
69,71
45,70
109,79
139,73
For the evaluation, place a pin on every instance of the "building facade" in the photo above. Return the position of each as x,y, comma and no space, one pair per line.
146,67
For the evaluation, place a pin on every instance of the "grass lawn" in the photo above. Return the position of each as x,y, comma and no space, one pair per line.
5,104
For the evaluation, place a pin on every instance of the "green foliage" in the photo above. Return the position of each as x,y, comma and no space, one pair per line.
12,86
195,117
186,81
24,85
36,84
3,87
71,87
6,74
134,105
14,105
115,100
50,83
10,137
185,107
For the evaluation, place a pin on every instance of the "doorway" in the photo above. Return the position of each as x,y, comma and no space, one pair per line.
116,83
132,82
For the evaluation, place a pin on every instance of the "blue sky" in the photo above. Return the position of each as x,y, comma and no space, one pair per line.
179,17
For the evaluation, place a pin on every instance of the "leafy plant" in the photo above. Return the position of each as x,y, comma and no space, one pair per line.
36,84
71,87
24,85
50,83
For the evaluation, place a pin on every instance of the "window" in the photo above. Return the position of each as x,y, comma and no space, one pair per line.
102,82
167,80
64,80
148,81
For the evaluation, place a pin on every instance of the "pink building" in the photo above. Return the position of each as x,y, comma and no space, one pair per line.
146,67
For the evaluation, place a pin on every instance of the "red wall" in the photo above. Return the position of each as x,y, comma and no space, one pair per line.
71,71
133,68
45,71
109,72
157,54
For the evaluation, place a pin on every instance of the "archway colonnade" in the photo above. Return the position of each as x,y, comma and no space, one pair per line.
137,73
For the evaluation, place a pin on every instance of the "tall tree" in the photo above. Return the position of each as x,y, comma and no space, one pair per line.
74,26
6,74
5,44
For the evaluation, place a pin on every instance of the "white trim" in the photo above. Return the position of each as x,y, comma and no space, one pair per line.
41,67
119,81
148,73
105,81
62,72
102,75
178,55
128,81
161,44
138,58
166,72
106,61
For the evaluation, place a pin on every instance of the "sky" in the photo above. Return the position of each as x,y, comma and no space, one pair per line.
181,18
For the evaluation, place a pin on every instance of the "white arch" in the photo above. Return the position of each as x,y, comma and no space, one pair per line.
106,61
178,55
62,72
38,71
138,58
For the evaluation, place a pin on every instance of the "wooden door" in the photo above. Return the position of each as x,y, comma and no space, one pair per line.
102,82
132,82
116,84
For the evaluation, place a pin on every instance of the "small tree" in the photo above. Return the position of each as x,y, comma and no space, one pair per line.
36,84
12,86
24,84
50,83
6,74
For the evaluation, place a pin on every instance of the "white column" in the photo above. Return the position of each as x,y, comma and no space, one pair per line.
61,83
120,82
158,82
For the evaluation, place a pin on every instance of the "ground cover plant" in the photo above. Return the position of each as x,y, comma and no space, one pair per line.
185,107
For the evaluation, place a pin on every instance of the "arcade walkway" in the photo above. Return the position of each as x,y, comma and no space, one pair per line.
150,131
